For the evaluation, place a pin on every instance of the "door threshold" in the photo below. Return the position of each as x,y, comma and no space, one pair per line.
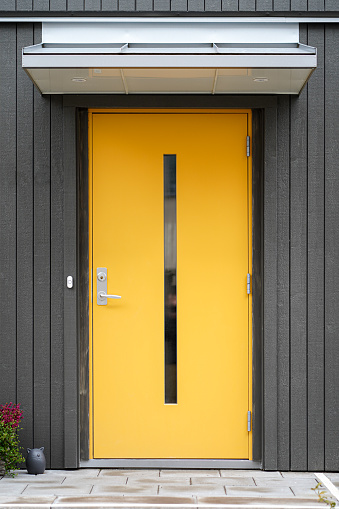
171,463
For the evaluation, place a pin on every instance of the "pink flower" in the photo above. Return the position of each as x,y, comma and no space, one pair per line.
11,414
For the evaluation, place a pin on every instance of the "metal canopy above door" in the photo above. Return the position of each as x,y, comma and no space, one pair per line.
246,59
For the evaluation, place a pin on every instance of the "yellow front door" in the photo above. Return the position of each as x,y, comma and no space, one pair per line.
170,198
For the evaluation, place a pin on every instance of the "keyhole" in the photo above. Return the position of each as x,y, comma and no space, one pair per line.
101,276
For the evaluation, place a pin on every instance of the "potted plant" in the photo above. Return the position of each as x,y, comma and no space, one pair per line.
10,455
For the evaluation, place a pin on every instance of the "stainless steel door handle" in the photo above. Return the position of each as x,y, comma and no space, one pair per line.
102,294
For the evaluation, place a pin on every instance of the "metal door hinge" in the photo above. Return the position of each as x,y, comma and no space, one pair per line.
248,145
248,284
249,427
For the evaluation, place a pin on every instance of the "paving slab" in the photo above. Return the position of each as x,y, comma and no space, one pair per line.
172,481
224,481
302,475
12,489
150,474
30,480
128,501
333,476
190,473
290,481
244,491
110,481
259,503
306,492
202,490
21,502
54,489
104,489
250,473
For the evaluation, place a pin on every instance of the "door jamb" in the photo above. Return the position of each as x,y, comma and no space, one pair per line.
259,132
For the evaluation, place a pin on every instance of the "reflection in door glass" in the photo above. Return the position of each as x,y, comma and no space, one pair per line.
170,236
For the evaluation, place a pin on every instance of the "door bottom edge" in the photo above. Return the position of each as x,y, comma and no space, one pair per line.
240,464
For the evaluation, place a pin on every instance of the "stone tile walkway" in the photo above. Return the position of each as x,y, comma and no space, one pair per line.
129,489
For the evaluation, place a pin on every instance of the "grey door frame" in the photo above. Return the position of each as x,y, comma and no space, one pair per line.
264,311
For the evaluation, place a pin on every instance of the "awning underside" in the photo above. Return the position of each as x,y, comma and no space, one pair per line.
207,68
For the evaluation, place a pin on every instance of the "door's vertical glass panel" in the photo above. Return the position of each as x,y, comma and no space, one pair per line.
170,249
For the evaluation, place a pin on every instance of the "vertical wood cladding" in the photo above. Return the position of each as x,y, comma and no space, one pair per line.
300,287
222,6
31,248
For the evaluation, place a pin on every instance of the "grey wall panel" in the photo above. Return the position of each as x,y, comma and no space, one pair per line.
264,5
270,396
42,268
91,6
24,5
230,5
247,5
58,5
8,5
109,5
298,275
40,5
315,280
126,5
283,282
298,5
282,5
331,5
71,443
331,248
57,284
195,5
144,5
8,260
316,5
212,5
75,5
25,252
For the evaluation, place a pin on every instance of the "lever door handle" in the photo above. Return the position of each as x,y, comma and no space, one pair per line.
103,295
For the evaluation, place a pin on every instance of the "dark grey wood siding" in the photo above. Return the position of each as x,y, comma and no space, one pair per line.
307,310
31,249
38,316
209,6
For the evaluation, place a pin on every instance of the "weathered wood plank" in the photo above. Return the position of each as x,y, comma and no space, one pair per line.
57,5
331,248
109,5
75,5
315,299
246,5
8,264
230,5
57,284
257,279
270,458
283,282
282,5
24,5
42,258
264,5
25,273
298,5
92,5
316,5
83,264
298,282
70,295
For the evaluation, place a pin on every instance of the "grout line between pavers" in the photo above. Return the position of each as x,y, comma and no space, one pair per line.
329,485
197,505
